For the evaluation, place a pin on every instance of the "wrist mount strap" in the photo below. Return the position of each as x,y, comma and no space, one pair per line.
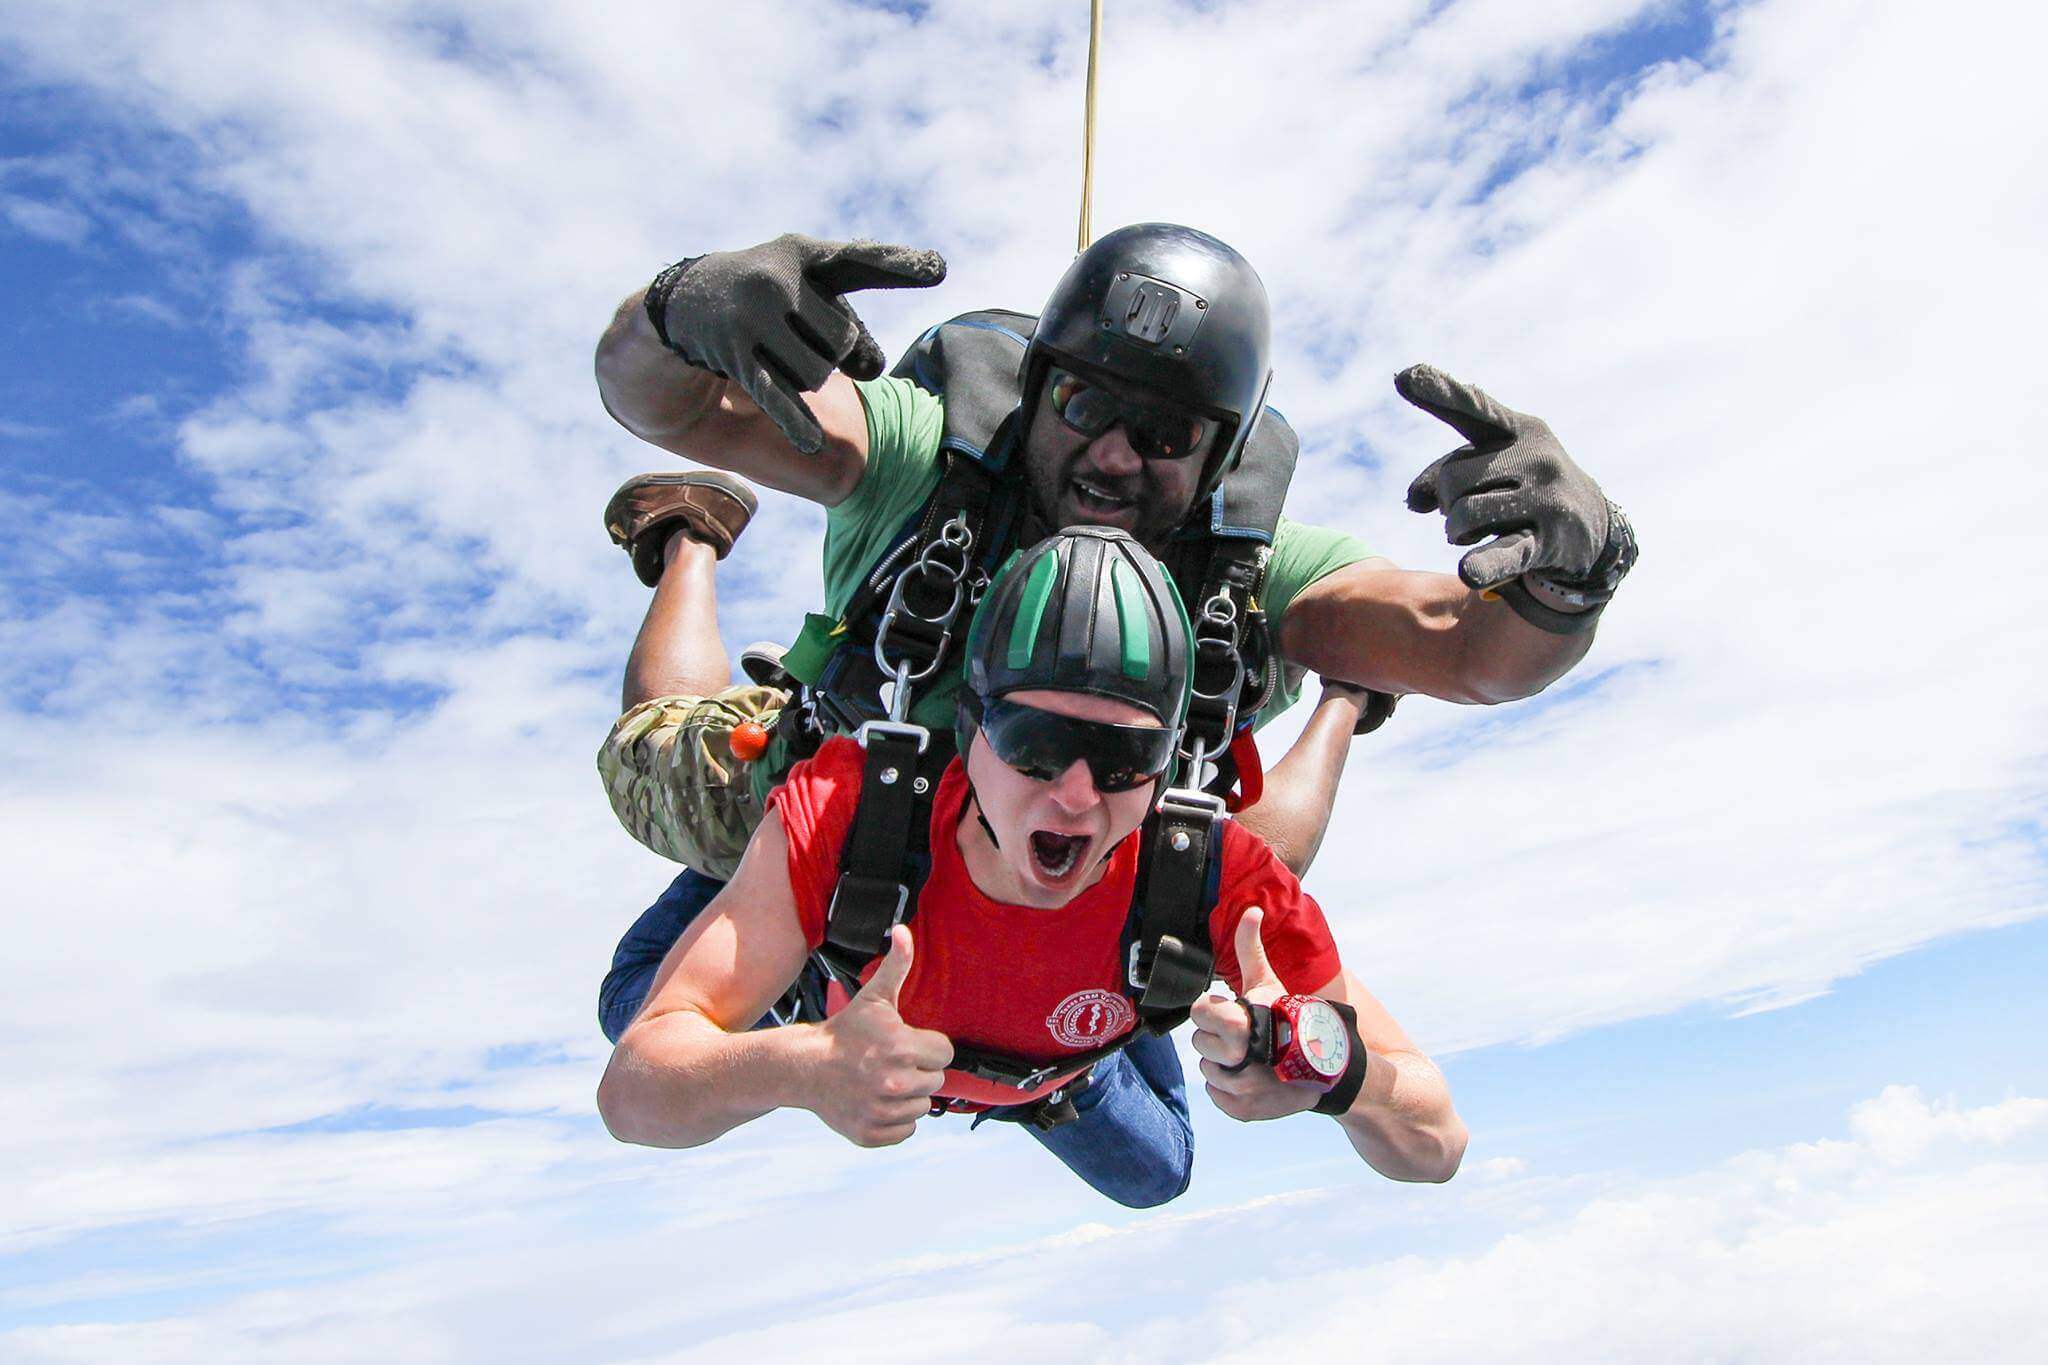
1259,1047
1338,1098
1569,606
1546,618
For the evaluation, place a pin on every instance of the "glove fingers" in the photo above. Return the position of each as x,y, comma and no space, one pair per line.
1466,407
1422,491
865,360
825,323
877,265
779,397
1489,566
1476,516
790,352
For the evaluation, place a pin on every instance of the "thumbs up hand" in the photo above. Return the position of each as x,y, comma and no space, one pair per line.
1223,1037
879,1073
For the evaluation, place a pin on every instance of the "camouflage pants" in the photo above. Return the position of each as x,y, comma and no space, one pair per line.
669,772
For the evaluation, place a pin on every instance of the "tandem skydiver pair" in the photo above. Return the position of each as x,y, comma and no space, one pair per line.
994,428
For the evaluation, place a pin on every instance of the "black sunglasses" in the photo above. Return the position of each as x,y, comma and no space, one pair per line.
1157,431
1042,745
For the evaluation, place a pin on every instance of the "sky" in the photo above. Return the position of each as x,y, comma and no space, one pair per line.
1729,943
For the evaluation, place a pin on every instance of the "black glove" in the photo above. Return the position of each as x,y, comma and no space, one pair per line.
1513,481
771,318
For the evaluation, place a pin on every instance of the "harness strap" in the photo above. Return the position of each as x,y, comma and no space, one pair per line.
915,612
1171,961
887,853
1234,668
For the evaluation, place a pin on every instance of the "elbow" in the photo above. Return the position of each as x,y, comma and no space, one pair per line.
1447,1153
1430,1156
615,1105
631,1109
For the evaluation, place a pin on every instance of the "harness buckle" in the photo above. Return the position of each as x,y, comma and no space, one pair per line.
864,885
945,561
1140,976
893,729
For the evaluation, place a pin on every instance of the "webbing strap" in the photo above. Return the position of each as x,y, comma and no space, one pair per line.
1171,962
848,688
887,852
1233,669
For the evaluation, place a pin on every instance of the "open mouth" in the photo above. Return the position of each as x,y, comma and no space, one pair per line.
1098,501
1055,855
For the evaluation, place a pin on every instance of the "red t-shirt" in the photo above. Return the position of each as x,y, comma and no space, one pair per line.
1031,983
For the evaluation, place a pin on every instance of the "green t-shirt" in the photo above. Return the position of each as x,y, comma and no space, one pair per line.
904,426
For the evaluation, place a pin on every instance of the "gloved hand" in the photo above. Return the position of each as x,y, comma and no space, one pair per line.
771,318
1513,481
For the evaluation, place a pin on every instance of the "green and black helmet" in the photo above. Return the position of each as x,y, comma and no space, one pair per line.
1085,610
1169,309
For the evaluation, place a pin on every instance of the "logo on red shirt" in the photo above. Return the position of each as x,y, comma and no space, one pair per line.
1091,1018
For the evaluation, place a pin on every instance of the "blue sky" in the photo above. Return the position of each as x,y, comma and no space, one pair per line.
308,632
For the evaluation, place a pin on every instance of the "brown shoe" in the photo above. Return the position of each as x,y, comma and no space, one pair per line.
714,507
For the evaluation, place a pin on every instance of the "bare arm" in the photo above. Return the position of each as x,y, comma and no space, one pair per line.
1400,630
691,1069
1402,1122
687,1070
653,393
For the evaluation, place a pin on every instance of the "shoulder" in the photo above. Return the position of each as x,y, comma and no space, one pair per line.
822,786
905,423
904,427
1304,554
1297,938
816,804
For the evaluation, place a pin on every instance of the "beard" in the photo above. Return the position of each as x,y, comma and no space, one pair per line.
1067,491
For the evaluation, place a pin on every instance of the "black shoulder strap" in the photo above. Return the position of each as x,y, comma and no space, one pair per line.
1169,961
887,853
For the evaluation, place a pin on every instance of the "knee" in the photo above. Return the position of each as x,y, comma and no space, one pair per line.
1158,1182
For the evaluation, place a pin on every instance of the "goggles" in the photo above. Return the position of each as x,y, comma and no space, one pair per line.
1042,745
1156,430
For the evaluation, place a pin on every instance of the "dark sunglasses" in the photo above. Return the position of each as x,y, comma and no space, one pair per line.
1157,431
1042,745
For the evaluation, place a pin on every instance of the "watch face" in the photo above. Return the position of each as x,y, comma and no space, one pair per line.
1320,1032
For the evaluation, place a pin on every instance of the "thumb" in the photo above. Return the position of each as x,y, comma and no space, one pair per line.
1489,566
887,982
865,360
1422,494
1254,969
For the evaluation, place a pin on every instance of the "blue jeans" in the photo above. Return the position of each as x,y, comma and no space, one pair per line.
1132,1140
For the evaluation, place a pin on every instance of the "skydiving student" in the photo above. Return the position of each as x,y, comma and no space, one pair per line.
1136,400
1005,987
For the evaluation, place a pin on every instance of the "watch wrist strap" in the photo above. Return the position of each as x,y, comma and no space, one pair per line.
1544,617
1339,1097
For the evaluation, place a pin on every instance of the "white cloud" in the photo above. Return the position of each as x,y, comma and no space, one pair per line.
1904,1241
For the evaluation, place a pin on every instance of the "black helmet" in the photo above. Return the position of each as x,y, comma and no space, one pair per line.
1085,610
1171,309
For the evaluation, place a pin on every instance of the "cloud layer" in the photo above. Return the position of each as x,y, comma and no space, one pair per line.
295,744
